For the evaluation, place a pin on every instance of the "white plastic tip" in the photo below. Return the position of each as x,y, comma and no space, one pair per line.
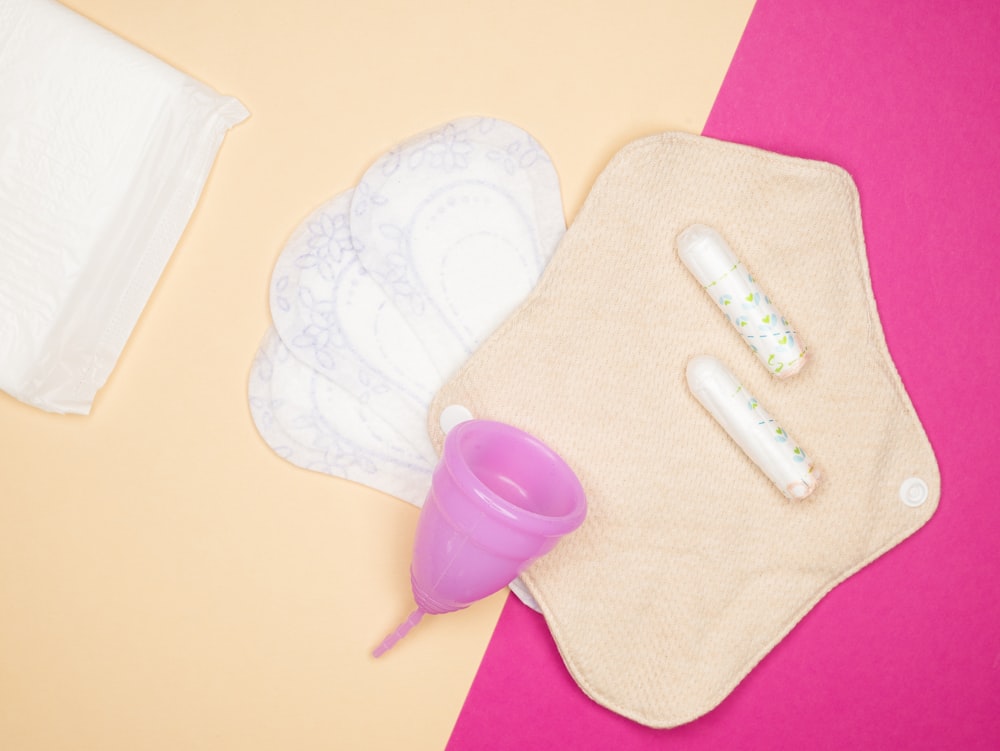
452,415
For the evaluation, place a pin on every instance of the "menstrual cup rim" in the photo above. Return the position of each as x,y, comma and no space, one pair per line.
501,508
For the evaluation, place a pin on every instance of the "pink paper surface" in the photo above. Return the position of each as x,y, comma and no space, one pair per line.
906,653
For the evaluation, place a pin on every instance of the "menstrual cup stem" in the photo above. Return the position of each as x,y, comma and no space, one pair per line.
399,633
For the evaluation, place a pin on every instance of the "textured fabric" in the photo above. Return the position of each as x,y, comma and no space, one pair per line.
691,566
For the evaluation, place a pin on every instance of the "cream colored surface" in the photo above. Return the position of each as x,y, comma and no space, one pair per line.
691,565
166,581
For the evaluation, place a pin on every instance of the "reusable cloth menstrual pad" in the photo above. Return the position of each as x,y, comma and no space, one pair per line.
690,566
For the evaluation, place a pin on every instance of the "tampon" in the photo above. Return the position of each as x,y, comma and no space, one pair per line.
753,429
712,262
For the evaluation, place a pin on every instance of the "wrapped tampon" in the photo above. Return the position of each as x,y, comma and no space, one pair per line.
753,429
712,262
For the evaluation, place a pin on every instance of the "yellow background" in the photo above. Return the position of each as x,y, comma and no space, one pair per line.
166,581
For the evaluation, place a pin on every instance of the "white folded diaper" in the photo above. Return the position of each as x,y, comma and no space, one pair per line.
104,150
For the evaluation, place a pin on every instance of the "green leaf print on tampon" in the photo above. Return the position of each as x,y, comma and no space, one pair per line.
746,421
712,262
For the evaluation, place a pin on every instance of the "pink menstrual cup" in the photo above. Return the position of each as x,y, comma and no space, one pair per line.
499,499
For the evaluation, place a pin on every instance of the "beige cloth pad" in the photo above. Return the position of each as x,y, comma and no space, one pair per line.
691,566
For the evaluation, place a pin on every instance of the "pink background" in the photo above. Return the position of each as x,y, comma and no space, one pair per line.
905,654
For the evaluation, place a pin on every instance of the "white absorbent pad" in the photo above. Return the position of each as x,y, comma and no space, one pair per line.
691,564
104,150
310,421
381,293
456,225
335,319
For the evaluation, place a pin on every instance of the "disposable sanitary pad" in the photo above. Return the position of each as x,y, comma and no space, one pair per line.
337,321
104,150
382,292
313,423
456,226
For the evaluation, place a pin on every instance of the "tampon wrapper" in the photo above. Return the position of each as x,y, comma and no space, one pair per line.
763,440
726,280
